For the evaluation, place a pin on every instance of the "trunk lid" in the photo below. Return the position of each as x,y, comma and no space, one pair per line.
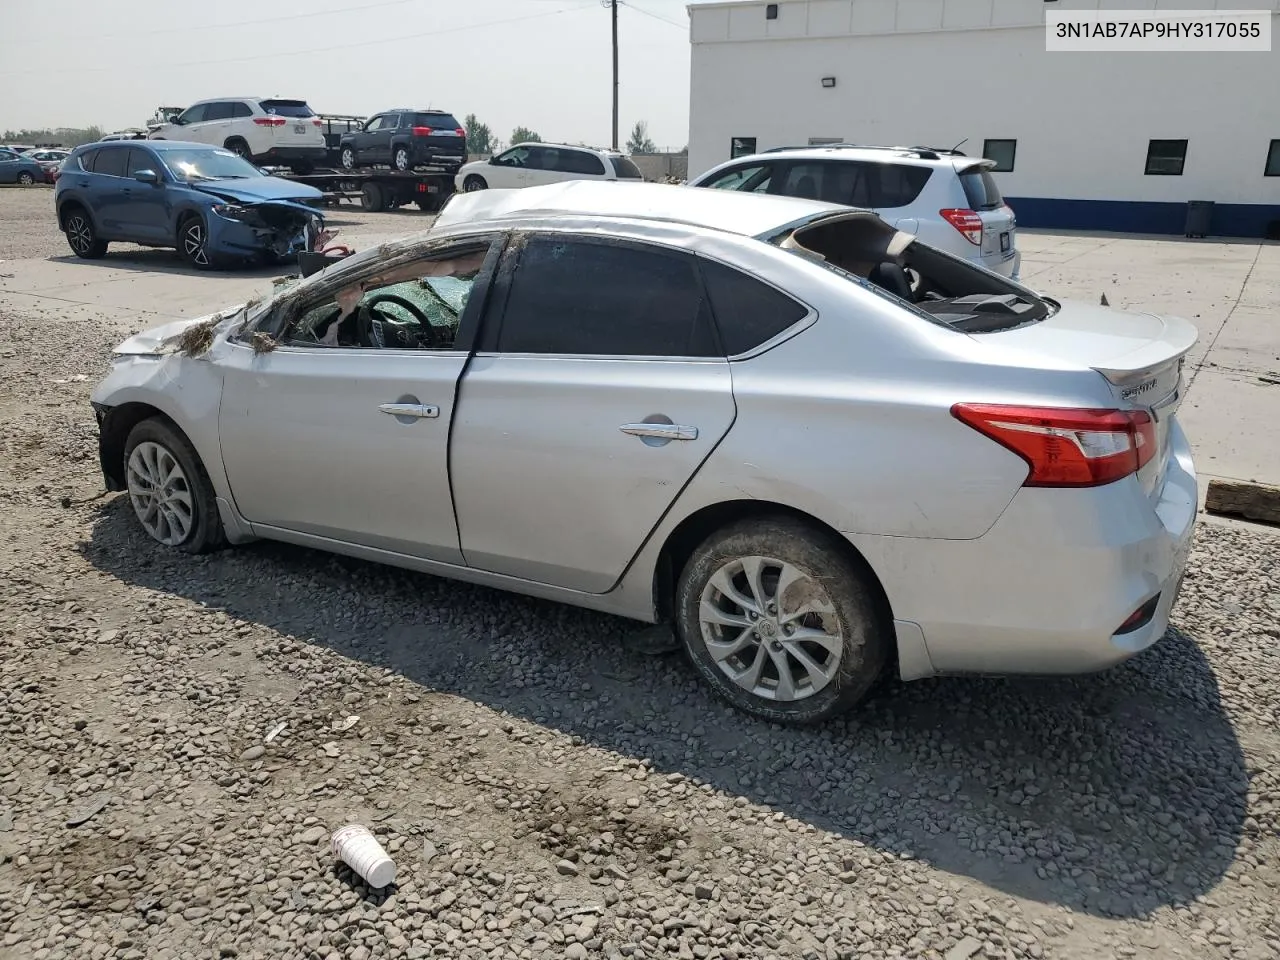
301,127
982,194
1139,355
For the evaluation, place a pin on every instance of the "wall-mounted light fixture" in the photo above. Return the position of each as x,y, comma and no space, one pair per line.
828,82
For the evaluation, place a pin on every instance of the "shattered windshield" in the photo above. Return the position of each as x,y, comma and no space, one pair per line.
208,165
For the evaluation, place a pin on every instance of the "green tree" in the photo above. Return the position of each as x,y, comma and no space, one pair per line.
524,135
479,136
639,141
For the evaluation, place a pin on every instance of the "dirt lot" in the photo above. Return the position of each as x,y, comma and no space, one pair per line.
546,792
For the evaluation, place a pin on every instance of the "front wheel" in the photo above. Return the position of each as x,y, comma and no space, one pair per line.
170,490
193,243
474,183
781,621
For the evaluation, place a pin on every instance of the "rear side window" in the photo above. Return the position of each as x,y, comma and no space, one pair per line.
625,169
240,110
85,160
980,189
436,121
218,111
748,312
287,108
855,183
574,297
113,163
580,162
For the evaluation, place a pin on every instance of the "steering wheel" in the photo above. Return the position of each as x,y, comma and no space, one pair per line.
427,330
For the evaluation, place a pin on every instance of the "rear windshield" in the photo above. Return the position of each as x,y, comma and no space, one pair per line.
625,169
980,189
288,108
438,121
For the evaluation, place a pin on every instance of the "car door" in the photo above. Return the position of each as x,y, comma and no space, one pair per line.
107,193
579,165
145,206
192,124
380,139
543,166
10,164
340,436
509,170
216,127
593,399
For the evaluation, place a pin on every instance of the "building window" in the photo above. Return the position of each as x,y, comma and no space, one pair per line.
771,11
1166,158
824,141
1273,159
741,147
1002,152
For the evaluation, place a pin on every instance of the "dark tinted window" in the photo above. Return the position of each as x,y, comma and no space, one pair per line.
755,178
854,183
747,312
741,147
140,159
980,189
86,159
287,108
603,299
580,162
194,114
1166,158
543,158
626,170
218,111
240,109
1273,159
436,121
114,163
1002,152
897,184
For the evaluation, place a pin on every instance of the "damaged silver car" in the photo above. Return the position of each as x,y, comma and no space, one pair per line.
212,206
729,413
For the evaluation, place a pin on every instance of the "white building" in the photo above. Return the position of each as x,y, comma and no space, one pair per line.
1113,141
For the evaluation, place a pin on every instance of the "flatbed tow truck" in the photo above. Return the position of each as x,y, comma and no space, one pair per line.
377,189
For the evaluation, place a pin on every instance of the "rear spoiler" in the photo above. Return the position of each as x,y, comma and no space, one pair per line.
970,165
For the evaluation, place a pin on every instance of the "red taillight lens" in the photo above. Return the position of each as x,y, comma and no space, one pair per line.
317,121
1067,447
460,132
269,121
966,221
422,131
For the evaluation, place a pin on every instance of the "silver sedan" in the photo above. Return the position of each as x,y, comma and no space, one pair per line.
816,447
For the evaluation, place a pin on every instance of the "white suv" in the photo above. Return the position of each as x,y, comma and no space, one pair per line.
948,200
534,164
269,132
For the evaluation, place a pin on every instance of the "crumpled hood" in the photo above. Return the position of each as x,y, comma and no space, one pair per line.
164,339
260,189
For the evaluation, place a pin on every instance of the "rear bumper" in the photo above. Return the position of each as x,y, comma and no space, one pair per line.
423,156
1007,265
293,155
1046,589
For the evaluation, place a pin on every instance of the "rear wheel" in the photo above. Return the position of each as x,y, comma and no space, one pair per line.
347,158
373,198
238,147
193,242
781,621
25,178
400,159
474,183
81,236
170,490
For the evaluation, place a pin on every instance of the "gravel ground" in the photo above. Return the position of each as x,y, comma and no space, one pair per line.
545,791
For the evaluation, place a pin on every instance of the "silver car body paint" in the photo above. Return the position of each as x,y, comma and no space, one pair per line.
844,417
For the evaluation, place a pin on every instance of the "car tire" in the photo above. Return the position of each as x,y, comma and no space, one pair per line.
193,242
25,178
169,489
742,632
373,198
347,158
238,146
82,237
400,160
473,183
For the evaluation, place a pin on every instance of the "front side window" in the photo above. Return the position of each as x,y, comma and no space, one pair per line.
1003,152
374,123
215,164
194,114
219,111
583,298
415,307
1166,158
140,160
515,157
741,147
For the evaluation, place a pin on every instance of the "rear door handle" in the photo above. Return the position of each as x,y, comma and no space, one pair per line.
660,431
422,411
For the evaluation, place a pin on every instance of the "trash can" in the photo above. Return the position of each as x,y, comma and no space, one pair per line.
1199,216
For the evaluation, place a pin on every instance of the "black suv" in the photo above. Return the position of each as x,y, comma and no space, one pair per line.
405,139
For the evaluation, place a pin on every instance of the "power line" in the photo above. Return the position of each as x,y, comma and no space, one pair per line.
650,13
280,54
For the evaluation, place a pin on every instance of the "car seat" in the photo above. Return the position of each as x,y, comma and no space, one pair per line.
892,277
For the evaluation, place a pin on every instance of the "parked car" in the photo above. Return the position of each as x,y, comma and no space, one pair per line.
699,407
270,132
50,160
945,198
134,133
537,164
404,139
206,202
18,168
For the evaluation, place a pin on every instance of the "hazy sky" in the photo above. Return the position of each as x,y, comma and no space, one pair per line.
541,63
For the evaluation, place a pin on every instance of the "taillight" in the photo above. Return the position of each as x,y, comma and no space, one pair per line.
461,132
1067,447
269,121
422,131
966,221
317,121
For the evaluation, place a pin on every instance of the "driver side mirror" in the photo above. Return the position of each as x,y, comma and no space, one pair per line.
147,176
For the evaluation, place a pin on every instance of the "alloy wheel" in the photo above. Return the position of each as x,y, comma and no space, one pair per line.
26,179
79,234
402,160
771,628
193,243
160,494
348,159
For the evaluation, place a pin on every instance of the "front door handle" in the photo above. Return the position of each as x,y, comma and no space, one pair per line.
660,431
420,411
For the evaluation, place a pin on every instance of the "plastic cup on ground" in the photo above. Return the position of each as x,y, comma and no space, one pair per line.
359,849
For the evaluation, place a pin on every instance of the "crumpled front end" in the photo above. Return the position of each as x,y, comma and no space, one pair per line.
278,228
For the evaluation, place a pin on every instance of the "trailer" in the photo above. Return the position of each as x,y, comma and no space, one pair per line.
379,189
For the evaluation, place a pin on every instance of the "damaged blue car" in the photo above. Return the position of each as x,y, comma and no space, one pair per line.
212,206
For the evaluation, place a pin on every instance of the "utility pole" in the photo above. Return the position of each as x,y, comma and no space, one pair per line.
613,10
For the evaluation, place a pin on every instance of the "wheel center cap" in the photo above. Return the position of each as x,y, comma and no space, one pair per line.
768,630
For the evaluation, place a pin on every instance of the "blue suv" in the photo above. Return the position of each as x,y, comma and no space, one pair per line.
210,205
